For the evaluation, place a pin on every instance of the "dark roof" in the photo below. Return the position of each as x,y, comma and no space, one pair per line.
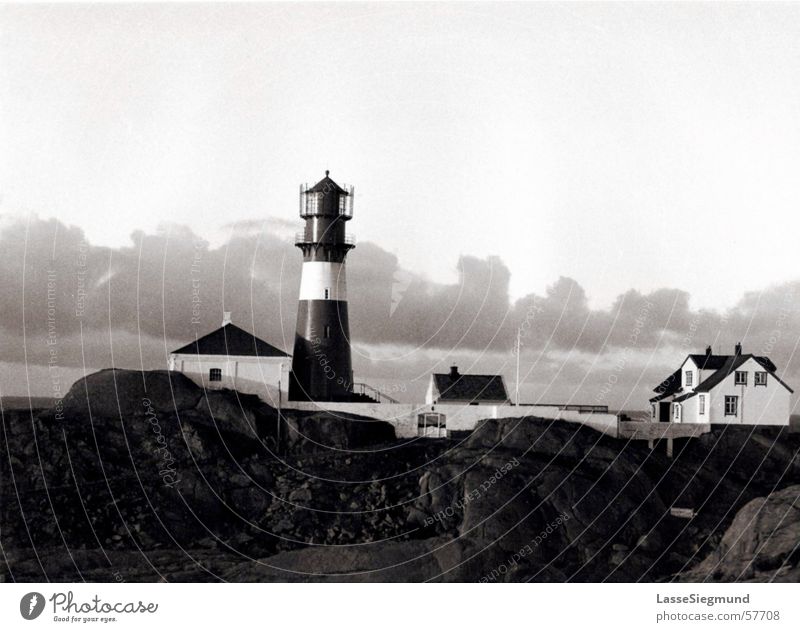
326,185
672,384
734,362
714,362
731,364
709,362
722,365
231,340
669,386
470,387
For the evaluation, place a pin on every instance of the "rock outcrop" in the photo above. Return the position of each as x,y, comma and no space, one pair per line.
146,476
309,433
762,543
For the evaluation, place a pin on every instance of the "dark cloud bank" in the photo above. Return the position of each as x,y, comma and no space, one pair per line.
67,302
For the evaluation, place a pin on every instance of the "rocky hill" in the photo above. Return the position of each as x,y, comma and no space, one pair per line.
143,476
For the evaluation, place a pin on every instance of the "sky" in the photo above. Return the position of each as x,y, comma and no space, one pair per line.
626,146
597,151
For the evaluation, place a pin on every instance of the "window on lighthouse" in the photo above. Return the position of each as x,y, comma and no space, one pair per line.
312,203
327,329
327,293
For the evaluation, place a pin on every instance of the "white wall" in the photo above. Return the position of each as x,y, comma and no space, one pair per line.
703,417
758,405
689,408
637,430
459,417
247,374
698,374
689,365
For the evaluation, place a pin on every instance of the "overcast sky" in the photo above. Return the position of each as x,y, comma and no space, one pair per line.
624,146
626,168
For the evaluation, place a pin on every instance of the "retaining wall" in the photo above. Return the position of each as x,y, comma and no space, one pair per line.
457,416
638,430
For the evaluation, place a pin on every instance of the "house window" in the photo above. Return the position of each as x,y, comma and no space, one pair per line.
702,405
689,378
761,378
677,412
653,411
327,293
731,405
215,375
740,377
327,331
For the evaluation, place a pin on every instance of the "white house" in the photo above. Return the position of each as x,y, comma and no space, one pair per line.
231,357
723,389
456,388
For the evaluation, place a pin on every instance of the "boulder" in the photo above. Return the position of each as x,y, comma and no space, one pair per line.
112,393
762,542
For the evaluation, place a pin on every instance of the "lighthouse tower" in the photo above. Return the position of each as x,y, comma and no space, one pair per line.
321,364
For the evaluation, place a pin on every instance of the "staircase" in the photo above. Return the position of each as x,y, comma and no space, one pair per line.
366,394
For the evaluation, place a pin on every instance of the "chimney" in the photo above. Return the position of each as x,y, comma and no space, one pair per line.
738,349
454,372
226,318
708,350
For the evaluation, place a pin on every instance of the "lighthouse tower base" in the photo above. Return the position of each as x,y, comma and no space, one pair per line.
321,364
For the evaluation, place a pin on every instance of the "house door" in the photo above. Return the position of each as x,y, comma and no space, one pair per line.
663,411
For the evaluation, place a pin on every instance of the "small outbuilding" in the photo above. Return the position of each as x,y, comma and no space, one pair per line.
470,389
230,357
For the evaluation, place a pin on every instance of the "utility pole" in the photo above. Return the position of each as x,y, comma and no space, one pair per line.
280,402
519,345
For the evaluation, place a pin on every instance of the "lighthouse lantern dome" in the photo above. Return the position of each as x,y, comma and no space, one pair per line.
326,198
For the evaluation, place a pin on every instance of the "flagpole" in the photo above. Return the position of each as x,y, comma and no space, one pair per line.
516,398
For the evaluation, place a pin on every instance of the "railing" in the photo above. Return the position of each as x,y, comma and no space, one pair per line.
585,408
301,239
365,389
580,408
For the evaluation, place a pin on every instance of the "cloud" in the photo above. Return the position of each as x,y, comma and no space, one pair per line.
130,306
168,286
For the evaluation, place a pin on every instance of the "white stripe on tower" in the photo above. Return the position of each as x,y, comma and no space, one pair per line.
323,280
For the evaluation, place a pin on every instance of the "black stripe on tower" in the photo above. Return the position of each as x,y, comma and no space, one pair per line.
321,363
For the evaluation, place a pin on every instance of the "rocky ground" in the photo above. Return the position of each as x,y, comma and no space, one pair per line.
145,477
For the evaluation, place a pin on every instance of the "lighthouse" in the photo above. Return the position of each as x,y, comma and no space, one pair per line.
321,364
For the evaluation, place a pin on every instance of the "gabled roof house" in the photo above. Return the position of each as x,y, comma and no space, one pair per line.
711,388
458,388
231,357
